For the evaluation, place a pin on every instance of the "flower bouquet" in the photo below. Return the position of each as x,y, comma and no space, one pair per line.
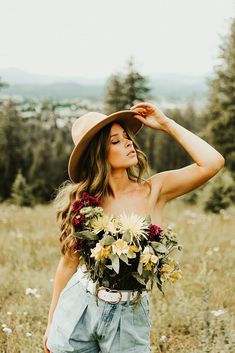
125,251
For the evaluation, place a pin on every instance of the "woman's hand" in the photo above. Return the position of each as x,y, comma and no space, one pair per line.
46,350
151,116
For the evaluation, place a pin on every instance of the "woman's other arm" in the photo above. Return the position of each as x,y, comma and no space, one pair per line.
65,269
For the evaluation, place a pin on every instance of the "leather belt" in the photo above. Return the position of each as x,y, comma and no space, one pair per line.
109,295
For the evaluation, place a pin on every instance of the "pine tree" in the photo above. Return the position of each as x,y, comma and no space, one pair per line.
21,193
114,94
135,85
125,89
221,103
12,139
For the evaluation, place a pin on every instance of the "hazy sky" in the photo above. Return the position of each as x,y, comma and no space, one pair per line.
94,38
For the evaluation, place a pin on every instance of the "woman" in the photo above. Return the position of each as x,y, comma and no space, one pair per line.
107,162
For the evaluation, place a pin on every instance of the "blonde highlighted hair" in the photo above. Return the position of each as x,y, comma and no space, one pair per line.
94,171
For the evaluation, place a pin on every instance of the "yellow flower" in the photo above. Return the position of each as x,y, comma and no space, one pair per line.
166,268
133,249
168,271
120,247
135,224
176,275
148,259
105,223
100,252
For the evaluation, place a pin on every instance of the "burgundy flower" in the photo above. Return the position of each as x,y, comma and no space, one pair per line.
154,232
79,219
85,201
90,200
77,205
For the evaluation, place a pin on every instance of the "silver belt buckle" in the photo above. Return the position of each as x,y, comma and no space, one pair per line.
110,291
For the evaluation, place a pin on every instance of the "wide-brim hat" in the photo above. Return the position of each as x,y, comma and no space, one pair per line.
84,129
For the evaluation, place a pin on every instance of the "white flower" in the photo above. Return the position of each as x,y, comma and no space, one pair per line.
28,334
30,291
120,246
104,223
33,291
216,249
162,339
135,224
218,312
9,313
7,330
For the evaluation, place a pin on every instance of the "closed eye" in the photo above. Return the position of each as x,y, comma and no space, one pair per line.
127,136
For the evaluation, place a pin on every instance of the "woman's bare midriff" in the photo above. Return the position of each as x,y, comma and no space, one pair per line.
136,200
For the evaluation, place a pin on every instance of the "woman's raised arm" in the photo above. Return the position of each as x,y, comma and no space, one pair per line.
208,161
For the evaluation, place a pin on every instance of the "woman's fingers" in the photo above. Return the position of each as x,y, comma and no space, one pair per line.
45,344
141,111
141,105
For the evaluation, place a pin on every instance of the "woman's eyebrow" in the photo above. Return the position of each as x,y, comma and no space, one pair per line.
117,133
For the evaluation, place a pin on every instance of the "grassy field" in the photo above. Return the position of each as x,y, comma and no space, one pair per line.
196,314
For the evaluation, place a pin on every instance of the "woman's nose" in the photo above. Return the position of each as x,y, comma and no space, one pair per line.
129,142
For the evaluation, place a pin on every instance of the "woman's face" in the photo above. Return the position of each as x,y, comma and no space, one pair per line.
120,146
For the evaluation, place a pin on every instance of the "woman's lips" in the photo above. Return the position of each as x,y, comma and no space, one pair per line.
132,153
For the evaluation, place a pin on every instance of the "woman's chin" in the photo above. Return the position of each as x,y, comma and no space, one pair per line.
133,163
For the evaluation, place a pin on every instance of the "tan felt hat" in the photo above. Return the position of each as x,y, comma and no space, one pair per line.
84,129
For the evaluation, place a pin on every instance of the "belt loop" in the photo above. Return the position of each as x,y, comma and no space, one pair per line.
128,297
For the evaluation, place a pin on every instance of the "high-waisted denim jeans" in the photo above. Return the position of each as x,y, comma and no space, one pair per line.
80,325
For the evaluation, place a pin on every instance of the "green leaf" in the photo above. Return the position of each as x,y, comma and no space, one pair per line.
115,262
139,279
160,287
124,258
107,240
109,267
126,236
140,268
105,282
86,234
149,284
159,247
96,268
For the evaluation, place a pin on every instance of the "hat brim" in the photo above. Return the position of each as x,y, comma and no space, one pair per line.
125,116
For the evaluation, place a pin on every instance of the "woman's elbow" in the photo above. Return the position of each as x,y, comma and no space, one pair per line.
221,162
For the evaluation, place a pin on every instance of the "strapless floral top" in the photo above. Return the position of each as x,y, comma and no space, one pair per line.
122,252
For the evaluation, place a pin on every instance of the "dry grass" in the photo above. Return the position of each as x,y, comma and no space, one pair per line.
182,322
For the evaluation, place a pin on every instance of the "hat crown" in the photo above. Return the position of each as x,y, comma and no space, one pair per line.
83,124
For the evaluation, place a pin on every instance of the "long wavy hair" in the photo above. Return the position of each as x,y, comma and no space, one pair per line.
94,172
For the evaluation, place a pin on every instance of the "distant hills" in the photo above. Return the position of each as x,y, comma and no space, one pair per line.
163,85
